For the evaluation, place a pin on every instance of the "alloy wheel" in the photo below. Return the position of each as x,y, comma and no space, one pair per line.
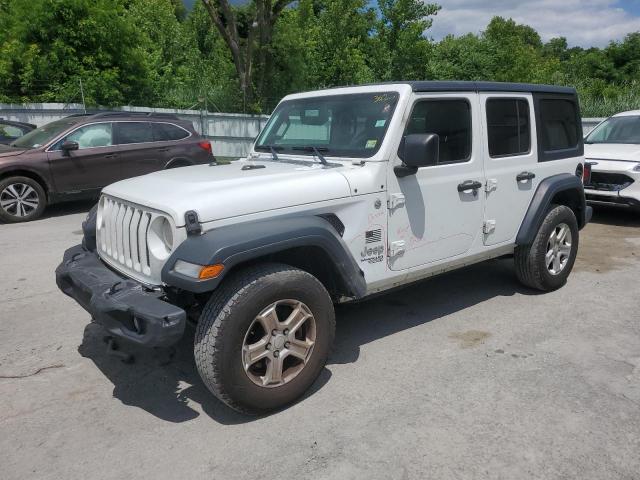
279,343
558,249
19,199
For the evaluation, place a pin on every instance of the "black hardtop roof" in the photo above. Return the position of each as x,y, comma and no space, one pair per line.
466,86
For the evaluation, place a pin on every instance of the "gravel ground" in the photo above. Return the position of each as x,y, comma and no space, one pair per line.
467,375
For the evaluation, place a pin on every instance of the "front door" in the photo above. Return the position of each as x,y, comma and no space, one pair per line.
94,165
437,213
510,163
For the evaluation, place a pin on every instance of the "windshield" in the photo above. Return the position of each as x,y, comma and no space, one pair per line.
42,135
617,130
351,125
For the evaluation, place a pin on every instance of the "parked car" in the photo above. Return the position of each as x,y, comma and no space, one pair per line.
10,130
612,149
77,156
346,192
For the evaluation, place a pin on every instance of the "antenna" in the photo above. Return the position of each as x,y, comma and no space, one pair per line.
84,106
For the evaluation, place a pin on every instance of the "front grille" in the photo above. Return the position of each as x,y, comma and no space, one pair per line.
122,237
610,182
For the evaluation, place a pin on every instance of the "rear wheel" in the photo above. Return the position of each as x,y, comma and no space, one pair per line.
21,199
264,336
546,263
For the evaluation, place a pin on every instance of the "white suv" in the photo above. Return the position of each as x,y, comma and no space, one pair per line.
613,151
347,192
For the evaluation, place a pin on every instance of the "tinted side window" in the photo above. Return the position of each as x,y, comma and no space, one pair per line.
133,132
451,120
559,125
163,132
508,127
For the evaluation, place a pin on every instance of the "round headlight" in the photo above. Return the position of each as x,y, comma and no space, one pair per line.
160,238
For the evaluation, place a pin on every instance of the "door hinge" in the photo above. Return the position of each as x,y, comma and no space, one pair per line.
492,184
396,248
489,226
396,200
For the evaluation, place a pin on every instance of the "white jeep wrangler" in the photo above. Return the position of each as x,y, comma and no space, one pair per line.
347,192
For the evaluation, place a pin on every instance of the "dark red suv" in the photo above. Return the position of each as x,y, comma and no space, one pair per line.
77,156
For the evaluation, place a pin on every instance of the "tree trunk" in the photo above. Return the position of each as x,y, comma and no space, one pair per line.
257,43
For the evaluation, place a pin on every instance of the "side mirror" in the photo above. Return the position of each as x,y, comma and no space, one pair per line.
418,150
68,145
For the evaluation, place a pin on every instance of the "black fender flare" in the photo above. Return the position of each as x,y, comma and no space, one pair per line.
542,199
234,244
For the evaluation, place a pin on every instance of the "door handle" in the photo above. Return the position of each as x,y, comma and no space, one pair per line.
165,149
111,155
469,185
525,176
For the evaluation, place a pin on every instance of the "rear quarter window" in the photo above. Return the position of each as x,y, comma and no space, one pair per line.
163,132
559,127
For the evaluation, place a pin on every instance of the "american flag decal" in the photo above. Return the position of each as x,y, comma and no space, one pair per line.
373,236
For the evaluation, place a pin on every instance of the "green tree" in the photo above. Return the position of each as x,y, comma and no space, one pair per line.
50,45
345,51
402,47
248,33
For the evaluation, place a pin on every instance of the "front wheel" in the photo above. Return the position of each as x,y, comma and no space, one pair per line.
264,337
21,199
546,263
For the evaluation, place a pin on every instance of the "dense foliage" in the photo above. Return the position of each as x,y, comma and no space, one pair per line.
155,53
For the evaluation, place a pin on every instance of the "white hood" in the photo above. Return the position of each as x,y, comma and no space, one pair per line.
612,151
224,191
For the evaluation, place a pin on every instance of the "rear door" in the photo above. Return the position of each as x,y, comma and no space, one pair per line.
173,143
93,166
437,213
139,153
510,163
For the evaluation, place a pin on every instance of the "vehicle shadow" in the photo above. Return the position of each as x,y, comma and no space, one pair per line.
615,216
68,208
165,383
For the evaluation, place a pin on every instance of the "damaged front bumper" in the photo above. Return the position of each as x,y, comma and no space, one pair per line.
124,307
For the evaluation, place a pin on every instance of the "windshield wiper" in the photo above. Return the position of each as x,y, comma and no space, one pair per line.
316,152
272,149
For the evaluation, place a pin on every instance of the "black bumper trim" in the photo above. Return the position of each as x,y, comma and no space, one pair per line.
124,307
611,199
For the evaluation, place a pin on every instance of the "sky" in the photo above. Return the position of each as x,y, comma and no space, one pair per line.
585,23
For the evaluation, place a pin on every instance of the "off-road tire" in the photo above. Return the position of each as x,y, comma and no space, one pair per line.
228,315
7,216
529,260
